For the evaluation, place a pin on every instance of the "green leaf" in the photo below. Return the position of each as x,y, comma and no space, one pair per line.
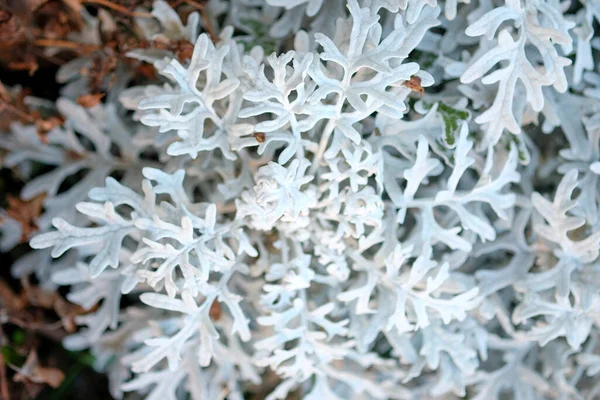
451,117
260,35
11,356
18,337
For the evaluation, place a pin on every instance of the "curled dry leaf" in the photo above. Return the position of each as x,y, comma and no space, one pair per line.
414,84
74,5
260,137
11,29
23,22
32,372
9,300
26,213
51,300
215,311
118,8
36,296
29,64
269,241
90,100
67,312
14,109
184,50
24,8
147,71
4,389
44,126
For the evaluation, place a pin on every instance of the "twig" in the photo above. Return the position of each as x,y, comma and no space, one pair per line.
52,59
119,8
193,3
3,381
11,108
226,208
65,44
35,326
3,92
207,25
224,393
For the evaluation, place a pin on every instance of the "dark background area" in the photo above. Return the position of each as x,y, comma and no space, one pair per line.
81,381
16,342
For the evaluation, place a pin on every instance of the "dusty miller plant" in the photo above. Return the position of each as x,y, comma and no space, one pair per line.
362,199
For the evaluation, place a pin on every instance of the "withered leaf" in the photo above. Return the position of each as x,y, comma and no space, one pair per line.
24,8
260,137
147,71
39,298
9,300
36,296
29,64
74,5
13,108
31,371
184,50
26,213
90,100
44,126
270,239
67,312
414,84
215,311
11,28
4,93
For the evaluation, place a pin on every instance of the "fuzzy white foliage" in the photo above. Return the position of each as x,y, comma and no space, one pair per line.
288,210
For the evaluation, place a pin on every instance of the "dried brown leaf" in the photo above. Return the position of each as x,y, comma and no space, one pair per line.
260,137
4,389
51,300
74,5
414,84
26,213
32,372
25,7
184,50
119,8
36,296
67,312
11,28
90,100
269,241
46,125
147,71
29,64
9,300
14,109
215,311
